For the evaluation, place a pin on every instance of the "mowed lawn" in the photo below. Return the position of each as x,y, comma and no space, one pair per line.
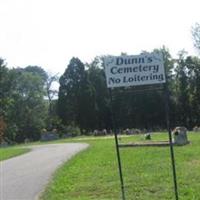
9,152
93,174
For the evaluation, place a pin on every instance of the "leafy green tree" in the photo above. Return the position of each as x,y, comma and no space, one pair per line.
28,111
22,102
76,96
38,71
69,87
86,106
7,84
53,120
102,100
51,92
193,67
182,91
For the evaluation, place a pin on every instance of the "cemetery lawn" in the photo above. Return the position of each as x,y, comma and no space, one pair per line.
93,174
9,152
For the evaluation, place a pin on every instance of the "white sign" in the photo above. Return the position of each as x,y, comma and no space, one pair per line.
143,69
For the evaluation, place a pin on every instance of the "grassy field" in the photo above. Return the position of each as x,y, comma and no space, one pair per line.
9,152
93,174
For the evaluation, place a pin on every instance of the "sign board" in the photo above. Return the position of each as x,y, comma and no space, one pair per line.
143,69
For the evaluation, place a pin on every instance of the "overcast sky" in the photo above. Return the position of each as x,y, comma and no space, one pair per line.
48,33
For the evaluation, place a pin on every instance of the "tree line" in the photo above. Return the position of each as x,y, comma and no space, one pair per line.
28,105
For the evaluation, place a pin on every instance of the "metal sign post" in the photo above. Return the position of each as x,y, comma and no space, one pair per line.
170,140
117,148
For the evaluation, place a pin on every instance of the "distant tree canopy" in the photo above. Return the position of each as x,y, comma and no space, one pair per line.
22,104
28,104
76,102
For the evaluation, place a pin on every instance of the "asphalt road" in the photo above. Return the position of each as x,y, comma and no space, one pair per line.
25,177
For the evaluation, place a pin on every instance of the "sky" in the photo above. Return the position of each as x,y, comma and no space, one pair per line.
48,33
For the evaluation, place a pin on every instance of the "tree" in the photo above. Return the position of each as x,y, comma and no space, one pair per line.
193,67
6,101
102,101
182,91
22,102
38,71
29,109
76,96
52,119
51,92
69,87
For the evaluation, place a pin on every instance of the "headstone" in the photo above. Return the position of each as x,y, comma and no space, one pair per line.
48,136
137,131
104,132
196,129
180,136
128,131
95,132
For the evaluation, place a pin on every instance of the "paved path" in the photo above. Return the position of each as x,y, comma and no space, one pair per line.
25,176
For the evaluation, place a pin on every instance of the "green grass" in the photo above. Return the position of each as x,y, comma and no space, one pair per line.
93,174
9,152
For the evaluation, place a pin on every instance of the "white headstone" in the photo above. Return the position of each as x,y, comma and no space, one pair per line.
180,136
